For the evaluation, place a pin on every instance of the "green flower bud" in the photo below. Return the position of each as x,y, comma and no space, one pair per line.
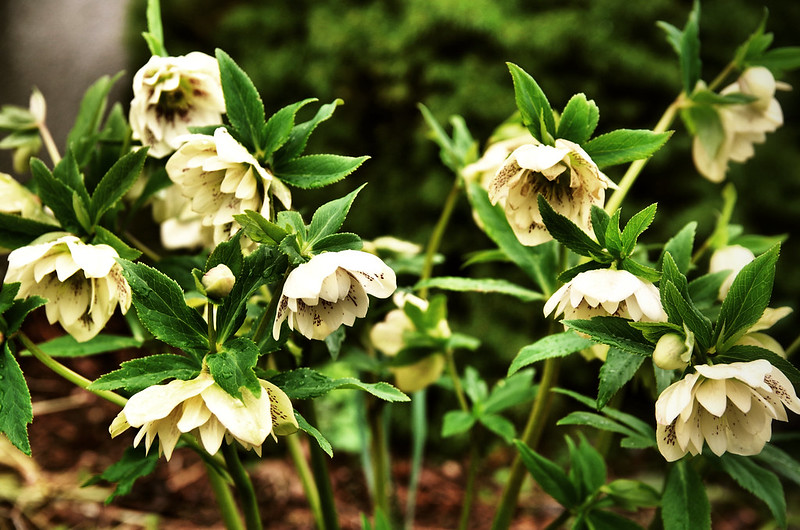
218,281
670,352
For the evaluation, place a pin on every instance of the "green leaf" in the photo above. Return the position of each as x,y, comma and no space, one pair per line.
556,345
755,45
624,145
329,217
719,238
510,391
68,172
107,237
780,461
684,504
606,520
634,228
569,274
243,104
781,59
155,28
704,289
673,35
232,368
260,229
680,246
539,262
337,243
305,383
704,122
456,422
480,285
631,494
588,464
760,482
137,374
615,332
747,299
568,233
56,195
474,386
537,115
133,465
116,182
279,127
334,342
162,309
600,220
228,253
709,97
300,133
309,429
688,314
66,346
613,235
8,292
549,476
15,315
690,50
619,368
85,132
632,423
500,426
17,411
578,120
16,231
316,171
742,353
597,421
642,271
457,152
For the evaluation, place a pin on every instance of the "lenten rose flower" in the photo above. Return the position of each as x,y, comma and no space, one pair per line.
330,290
563,174
730,406
171,94
200,406
223,179
732,258
82,283
18,200
607,292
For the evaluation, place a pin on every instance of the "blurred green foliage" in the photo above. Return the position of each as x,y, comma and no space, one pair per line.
384,57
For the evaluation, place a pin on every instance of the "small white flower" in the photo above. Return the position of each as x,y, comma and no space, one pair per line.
754,337
743,125
607,292
180,226
200,406
564,175
223,179
330,290
171,94
218,281
485,168
730,406
732,258
387,336
82,283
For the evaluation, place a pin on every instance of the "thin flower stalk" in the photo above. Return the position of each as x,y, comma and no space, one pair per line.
247,494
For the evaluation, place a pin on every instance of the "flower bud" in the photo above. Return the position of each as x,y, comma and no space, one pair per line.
671,351
218,281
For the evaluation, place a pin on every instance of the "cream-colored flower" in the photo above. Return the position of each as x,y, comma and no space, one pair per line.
754,337
607,292
564,175
330,290
180,226
18,200
218,281
82,283
223,179
743,125
486,167
732,258
730,406
391,245
387,337
171,94
200,406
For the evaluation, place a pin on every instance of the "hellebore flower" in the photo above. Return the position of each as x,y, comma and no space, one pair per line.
171,94
200,406
82,283
564,175
330,290
18,200
732,258
730,406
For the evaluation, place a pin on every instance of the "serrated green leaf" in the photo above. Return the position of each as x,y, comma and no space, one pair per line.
298,138
568,233
456,422
606,520
162,309
134,464
107,237
329,217
67,346
116,182
615,332
684,504
705,289
653,331
68,172
509,392
16,231
600,220
687,314
17,411
85,132
337,243
279,126
480,285
232,367
305,383
617,370
549,476
137,374
680,247
228,253
578,120
630,422
500,426
642,271
312,431
747,299
260,229
635,226
8,292
56,195
455,153
781,462
556,345
690,50
760,482
316,171
624,145
154,27
243,104
537,115
589,466
15,315
613,235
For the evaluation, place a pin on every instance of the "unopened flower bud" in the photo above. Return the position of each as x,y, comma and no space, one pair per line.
219,281
671,351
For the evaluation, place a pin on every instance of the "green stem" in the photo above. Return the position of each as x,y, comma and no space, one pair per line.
793,347
263,324
212,331
438,232
247,495
722,75
453,371
141,247
532,434
227,506
379,457
319,468
306,478
559,521
469,491
419,433
636,166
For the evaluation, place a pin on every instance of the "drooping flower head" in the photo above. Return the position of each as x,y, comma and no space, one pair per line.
563,174
200,406
171,94
223,179
743,125
387,337
730,406
330,290
180,226
82,283
607,292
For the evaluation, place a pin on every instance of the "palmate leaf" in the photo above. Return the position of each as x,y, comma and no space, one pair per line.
17,411
279,127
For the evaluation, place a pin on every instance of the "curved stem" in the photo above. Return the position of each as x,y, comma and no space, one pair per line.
531,436
306,478
731,66
793,347
636,166
141,247
247,495
227,506
453,371
319,469
438,232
